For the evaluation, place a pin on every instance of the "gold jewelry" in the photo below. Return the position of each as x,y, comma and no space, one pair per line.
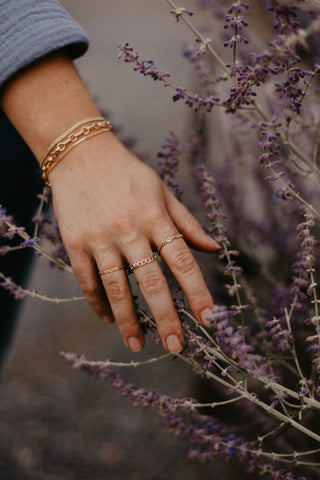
169,240
143,262
112,269
79,132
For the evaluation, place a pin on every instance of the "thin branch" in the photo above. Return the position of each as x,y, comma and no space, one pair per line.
30,293
110,363
60,263
202,39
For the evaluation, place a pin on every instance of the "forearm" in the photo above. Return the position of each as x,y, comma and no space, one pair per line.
45,99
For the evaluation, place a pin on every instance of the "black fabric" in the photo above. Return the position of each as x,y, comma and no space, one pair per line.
20,181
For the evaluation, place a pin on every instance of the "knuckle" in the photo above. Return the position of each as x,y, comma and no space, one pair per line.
191,222
152,283
123,223
91,290
74,245
158,223
100,247
154,215
168,323
99,308
127,328
117,291
98,240
184,261
126,230
200,298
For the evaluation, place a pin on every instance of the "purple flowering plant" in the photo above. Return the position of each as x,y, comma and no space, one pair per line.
258,190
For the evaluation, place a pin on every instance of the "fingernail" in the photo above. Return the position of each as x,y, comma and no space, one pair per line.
108,320
204,316
214,243
174,344
134,344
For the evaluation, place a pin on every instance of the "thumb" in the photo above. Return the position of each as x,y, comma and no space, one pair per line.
188,225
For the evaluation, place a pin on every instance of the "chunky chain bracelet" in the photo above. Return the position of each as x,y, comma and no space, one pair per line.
79,132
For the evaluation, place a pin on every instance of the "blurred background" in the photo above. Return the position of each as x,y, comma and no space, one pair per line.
57,424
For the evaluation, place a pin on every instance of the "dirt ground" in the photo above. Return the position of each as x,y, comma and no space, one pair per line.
57,424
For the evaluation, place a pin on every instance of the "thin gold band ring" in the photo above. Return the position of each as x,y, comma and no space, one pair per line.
112,269
169,240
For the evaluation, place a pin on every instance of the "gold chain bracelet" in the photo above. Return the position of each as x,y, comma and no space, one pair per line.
79,132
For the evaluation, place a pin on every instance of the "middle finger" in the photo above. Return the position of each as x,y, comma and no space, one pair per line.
155,291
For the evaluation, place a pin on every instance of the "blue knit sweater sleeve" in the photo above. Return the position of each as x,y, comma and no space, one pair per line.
30,29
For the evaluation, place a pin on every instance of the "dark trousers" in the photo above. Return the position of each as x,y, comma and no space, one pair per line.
20,181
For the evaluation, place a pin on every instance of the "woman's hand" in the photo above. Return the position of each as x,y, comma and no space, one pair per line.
111,209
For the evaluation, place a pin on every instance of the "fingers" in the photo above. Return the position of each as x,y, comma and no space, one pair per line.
186,270
119,294
110,297
110,294
84,269
187,224
155,291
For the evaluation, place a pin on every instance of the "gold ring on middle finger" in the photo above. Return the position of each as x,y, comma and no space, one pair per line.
143,262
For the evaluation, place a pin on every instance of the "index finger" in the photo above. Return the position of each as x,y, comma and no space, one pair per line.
186,270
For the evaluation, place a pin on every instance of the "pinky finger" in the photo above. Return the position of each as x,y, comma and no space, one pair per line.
91,285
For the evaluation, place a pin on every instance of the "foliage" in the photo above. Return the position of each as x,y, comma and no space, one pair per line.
258,186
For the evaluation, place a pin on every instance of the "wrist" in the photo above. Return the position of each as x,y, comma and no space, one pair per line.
62,146
99,157
45,99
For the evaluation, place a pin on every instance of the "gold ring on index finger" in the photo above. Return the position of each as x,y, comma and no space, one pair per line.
169,240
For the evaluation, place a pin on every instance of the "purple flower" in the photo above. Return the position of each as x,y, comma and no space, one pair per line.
13,231
148,68
234,40
290,91
169,163
30,242
237,21
15,290
180,93
145,67
282,337
238,7
178,12
285,17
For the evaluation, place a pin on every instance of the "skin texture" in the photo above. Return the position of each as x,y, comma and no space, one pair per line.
99,191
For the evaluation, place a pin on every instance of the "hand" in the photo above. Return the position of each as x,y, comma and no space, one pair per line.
112,208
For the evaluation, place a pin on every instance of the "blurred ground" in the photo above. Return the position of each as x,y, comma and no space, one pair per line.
57,424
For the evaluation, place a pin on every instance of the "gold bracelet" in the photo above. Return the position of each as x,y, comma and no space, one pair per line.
79,132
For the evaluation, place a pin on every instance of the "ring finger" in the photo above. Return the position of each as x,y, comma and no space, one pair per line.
119,294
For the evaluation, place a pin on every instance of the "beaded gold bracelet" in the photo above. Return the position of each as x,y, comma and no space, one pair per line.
79,132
